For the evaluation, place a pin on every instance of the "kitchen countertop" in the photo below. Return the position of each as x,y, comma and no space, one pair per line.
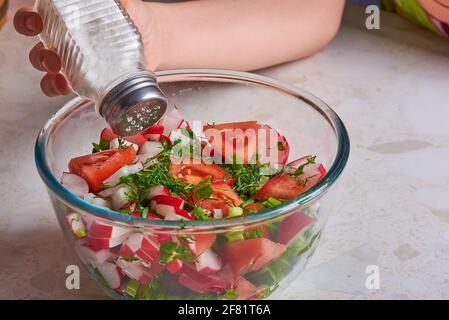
390,87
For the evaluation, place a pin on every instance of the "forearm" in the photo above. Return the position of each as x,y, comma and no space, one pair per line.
241,34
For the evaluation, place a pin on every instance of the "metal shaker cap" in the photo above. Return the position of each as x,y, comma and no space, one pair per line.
134,104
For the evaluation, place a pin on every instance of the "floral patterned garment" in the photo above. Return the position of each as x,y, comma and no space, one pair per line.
432,14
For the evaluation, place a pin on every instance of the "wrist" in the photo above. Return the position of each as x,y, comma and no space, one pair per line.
146,17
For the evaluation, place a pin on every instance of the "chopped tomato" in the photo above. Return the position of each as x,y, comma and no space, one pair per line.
109,135
222,198
200,282
97,167
245,289
240,140
195,173
312,173
293,226
282,187
252,207
201,243
264,231
251,255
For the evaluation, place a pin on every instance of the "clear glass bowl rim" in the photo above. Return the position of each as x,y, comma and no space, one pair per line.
204,75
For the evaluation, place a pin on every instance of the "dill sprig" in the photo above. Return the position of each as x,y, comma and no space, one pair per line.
247,178
157,174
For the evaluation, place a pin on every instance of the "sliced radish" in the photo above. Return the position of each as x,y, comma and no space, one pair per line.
76,224
293,227
208,262
162,209
153,137
105,243
151,148
156,129
100,229
119,198
123,171
171,215
137,271
166,139
174,266
108,192
168,200
75,184
88,219
171,121
147,160
312,173
167,206
95,258
115,143
157,191
108,135
110,274
131,245
92,198
140,246
184,214
218,214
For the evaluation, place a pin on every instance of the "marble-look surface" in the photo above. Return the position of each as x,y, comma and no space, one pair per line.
391,89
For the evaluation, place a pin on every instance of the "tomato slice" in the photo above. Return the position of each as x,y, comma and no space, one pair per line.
97,167
293,226
252,207
199,282
251,255
245,289
222,198
282,187
109,135
195,173
201,243
232,144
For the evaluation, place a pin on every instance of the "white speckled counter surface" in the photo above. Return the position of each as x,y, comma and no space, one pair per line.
391,89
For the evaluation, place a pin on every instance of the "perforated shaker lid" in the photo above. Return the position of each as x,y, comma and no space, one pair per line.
134,105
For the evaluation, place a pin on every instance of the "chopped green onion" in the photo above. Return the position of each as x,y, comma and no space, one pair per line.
102,146
229,295
247,202
234,236
131,288
145,212
200,214
235,212
81,233
273,202
204,192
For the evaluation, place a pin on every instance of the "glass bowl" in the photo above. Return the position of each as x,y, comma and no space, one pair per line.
310,126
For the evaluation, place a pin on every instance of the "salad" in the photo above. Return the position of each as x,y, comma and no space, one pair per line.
180,171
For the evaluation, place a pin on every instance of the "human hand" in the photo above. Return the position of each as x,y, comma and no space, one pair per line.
54,83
